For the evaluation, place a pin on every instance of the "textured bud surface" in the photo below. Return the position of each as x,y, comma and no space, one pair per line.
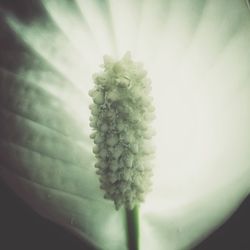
120,117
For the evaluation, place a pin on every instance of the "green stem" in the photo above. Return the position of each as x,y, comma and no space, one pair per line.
132,221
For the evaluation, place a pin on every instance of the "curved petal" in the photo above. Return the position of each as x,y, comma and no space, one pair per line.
196,52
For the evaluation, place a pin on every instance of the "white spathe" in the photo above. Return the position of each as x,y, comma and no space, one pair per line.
196,53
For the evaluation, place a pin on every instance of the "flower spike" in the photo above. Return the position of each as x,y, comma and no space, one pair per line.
121,114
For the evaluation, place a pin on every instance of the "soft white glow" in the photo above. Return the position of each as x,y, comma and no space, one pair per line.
197,55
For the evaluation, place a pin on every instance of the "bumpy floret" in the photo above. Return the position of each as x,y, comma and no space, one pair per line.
121,113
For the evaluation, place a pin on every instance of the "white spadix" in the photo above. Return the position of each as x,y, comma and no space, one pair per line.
121,114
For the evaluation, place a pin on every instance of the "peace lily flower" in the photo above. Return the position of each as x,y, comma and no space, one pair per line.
196,53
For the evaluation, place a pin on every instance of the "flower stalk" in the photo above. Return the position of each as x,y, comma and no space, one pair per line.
132,220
